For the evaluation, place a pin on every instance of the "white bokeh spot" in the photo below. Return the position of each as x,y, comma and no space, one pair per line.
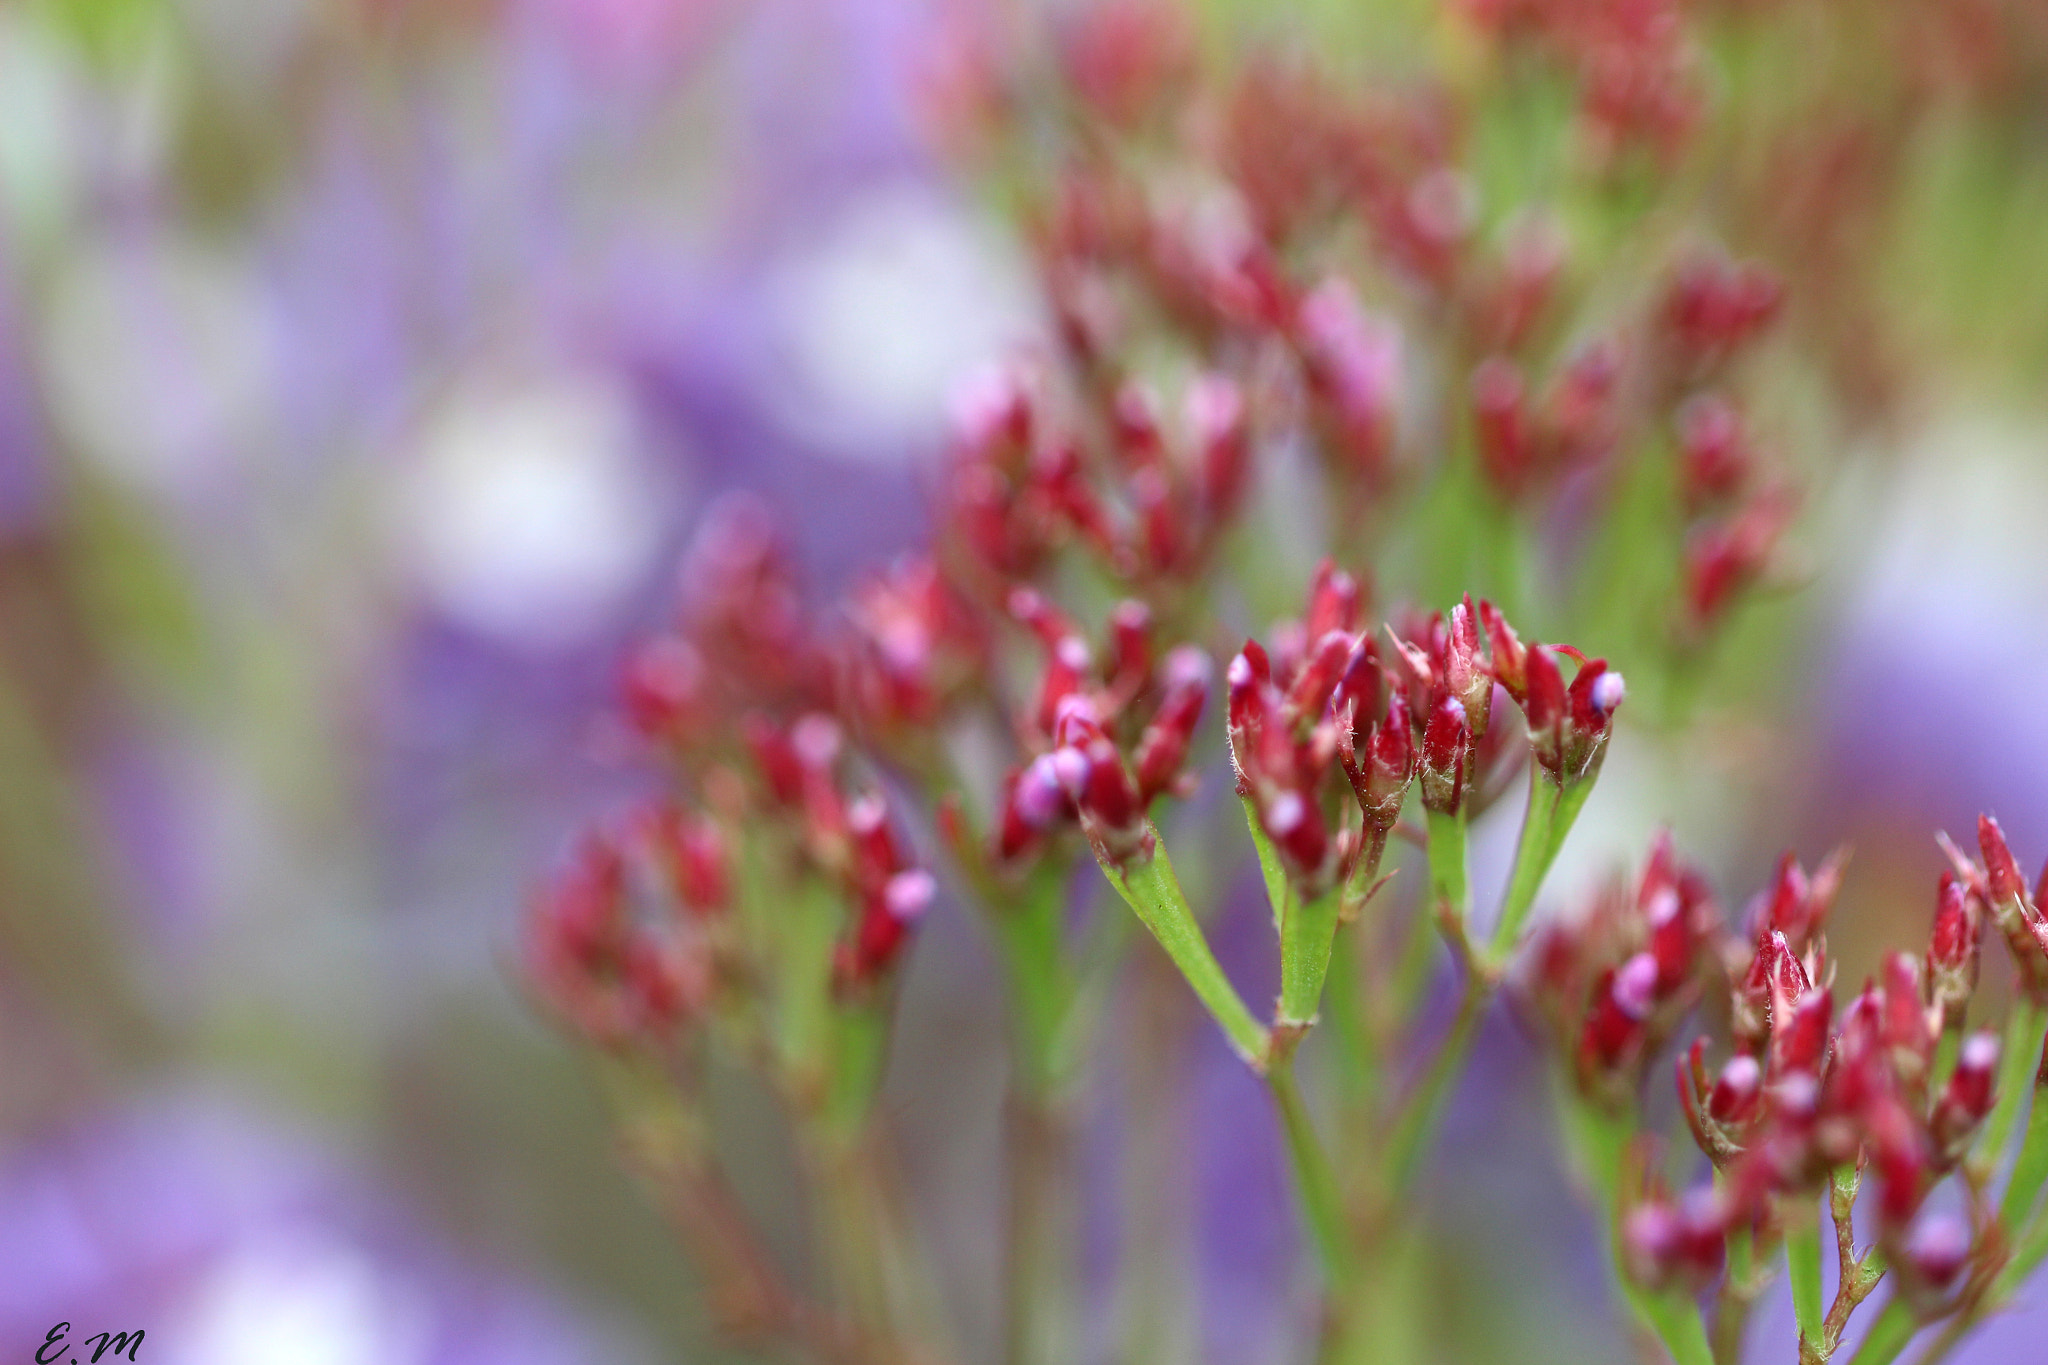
528,512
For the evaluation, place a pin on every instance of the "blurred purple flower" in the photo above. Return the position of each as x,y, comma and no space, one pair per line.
228,1242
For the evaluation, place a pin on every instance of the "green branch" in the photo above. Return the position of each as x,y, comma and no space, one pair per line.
1149,886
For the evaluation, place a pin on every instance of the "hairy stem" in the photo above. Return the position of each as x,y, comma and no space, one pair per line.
1315,1179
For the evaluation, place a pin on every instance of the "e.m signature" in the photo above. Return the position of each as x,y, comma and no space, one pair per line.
117,1342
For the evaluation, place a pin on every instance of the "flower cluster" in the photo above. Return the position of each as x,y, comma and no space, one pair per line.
1289,317
1811,1097
1201,252
740,699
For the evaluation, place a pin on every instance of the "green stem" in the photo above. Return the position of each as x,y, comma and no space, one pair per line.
1601,1141
1279,892
1305,944
1802,1264
1308,933
1889,1335
853,1233
1041,988
1419,1118
2032,1250
2024,1034
2029,1168
1149,886
1356,1060
1447,881
1412,968
1570,802
804,1017
1315,1179
860,1056
1534,853
1039,1304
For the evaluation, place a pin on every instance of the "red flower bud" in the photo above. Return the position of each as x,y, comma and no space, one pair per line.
1033,803
1674,939
1134,426
1106,797
1774,982
1465,672
692,851
2002,870
664,688
1298,831
1714,459
1545,708
1216,415
1163,747
1130,647
1904,1027
2026,932
1446,750
1969,1096
1799,1038
876,854
1936,1251
1333,602
1359,695
879,936
1684,1244
1510,665
1617,1022
1309,695
1380,761
1956,947
1737,1091
1797,905
1723,558
1505,431
1248,703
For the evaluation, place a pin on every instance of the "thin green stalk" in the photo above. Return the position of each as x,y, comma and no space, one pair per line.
1451,903
1412,969
1041,993
1041,986
1419,1117
2032,1250
1600,1141
1315,1179
1279,893
852,1233
1889,1335
2024,1034
1802,1264
2030,1167
1356,1060
1570,802
804,1017
1534,853
1448,886
1039,1306
1305,943
1149,886
1737,1295
1308,934
859,1060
